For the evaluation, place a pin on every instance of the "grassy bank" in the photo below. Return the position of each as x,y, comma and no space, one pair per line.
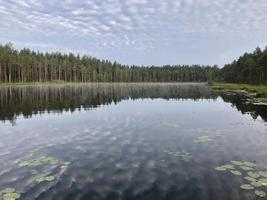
260,90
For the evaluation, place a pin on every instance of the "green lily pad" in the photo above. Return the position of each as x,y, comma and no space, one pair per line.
228,167
249,164
8,190
40,179
235,172
263,181
246,187
11,196
45,178
248,178
256,184
253,174
260,193
237,162
220,168
49,178
246,168
24,164
264,174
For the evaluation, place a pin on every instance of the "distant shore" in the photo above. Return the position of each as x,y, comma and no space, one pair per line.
18,84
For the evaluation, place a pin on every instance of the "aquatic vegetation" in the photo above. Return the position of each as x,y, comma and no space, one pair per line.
246,168
235,172
220,168
260,193
206,138
255,176
43,160
264,174
246,187
184,155
250,179
250,164
9,194
236,162
40,179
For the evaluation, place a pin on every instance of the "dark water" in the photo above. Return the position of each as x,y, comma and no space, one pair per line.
121,139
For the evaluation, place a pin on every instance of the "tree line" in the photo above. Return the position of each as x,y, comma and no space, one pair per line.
29,66
24,65
249,68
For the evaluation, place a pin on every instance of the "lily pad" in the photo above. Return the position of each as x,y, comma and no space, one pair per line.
45,178
253,174
260,193
236,162
264,174
24,163
220,168
228,167
246,187
11,196
249,164
256,184
40,179
246,168
49,178
235,172
248,178
8,190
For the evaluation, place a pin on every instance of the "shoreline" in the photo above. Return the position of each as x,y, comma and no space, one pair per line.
51,83
259,91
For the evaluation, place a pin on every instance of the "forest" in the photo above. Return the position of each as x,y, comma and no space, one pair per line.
24,65
250,68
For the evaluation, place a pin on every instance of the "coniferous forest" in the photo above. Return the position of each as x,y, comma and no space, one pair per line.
29,66
22,66
250,68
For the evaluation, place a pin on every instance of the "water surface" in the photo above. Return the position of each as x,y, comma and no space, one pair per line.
129,141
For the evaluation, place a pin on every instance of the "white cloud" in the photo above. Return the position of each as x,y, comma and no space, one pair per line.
138,24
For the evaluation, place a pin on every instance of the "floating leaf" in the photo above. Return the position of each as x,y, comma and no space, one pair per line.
235,172
220,168
246,187
253,174
260,193
45,178
24,163
8,190
228,167
236,162
40,179
11,196
250,179
256,184
49,178
246,168
264,174
249,164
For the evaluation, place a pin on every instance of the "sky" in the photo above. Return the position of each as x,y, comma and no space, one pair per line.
140,32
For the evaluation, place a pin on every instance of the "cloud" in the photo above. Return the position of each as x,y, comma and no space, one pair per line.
134,24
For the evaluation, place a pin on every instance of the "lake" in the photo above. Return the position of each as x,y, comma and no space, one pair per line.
131,141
